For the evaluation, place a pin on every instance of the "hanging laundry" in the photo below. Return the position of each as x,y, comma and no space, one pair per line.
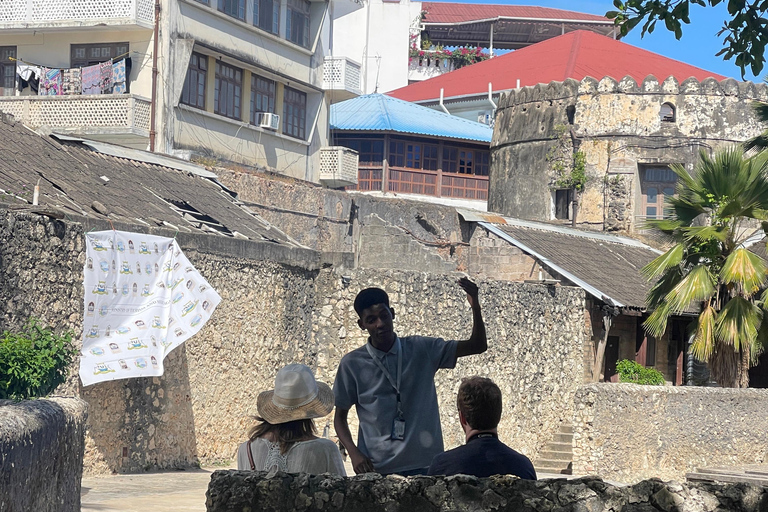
105,70
71,81
119,77
91,79
24,70
50,82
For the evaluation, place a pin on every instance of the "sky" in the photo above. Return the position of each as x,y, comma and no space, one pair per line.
697,47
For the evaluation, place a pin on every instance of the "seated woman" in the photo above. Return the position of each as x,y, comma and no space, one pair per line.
285,436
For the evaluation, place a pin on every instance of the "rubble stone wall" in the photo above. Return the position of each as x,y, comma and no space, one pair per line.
41,453
241,491
626,432
274,313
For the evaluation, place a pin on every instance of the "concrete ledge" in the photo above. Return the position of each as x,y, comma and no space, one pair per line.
242,491
41,454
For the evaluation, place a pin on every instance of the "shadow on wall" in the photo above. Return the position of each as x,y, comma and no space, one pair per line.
142,424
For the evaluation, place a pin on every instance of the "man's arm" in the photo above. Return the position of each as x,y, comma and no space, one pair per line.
477,342
360,462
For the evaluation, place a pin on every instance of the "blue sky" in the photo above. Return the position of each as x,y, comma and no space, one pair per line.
697,47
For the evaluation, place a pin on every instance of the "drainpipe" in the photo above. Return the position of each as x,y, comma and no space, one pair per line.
441,102
490,95
153,102
491,48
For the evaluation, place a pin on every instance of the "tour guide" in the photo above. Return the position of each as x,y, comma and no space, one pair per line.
391,382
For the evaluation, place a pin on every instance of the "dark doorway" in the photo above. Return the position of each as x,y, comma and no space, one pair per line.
611,358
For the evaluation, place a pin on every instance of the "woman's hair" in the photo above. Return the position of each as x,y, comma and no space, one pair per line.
285,433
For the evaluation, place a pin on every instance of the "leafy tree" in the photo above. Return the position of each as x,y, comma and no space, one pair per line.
746,33
717,208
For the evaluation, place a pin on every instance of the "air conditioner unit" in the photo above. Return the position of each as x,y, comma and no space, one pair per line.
269,120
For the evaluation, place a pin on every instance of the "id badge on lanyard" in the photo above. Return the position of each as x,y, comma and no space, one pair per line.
398,423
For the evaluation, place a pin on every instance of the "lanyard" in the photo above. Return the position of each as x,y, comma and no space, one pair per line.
376,360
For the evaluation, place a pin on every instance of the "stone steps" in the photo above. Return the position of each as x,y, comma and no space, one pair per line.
557,455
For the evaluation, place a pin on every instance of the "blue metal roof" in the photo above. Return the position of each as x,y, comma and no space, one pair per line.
382,113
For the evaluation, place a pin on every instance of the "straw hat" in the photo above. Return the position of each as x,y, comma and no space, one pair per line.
297,396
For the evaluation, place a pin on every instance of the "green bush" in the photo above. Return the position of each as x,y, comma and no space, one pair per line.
631,371
33,362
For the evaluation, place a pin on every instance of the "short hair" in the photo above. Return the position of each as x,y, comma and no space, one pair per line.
479,400
370,297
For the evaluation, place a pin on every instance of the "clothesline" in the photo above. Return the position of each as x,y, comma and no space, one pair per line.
14,59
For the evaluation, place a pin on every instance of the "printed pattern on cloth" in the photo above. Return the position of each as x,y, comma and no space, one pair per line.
105,70
143,298
91,78
50,82
71,81
118,77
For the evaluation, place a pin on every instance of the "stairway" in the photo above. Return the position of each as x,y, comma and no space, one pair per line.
557,455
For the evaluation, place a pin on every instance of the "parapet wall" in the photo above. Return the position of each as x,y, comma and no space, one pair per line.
626,432
242,491
41,454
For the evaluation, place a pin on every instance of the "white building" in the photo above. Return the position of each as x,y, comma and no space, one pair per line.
245,81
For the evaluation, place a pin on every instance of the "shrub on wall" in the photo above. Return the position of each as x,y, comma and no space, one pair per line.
34,361
635,373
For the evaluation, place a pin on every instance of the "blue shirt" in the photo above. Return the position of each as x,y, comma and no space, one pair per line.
483,455
360,382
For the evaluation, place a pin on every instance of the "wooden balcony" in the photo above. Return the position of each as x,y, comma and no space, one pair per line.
402,180
25,15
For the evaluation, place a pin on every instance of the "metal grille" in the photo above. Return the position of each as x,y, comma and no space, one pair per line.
38,11
338,166
341,73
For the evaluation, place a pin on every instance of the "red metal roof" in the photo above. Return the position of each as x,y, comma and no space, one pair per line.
574,55
447,12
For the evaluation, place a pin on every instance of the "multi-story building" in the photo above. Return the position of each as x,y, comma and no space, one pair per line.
248,82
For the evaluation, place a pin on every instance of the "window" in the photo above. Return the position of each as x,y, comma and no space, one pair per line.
235,8
421,156
193,93
656,183
667,113
396,153
465,161
7,71
83,55
450,159
563,199
294,113
229,82
266,15
482,163
370,151
297,22
262,97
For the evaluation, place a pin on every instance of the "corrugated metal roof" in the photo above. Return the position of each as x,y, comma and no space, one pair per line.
381,113
449,12
574,55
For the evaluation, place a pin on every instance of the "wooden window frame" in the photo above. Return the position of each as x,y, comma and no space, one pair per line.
233,8
197,73
227,100
271,22
90,59
8,70
294,113
263,91
297,22
661,186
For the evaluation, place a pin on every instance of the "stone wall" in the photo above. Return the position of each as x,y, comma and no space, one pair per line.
41,453
241,491
275,312
627,432
618,127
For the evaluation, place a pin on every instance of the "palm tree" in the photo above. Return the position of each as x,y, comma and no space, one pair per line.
760,142
708,269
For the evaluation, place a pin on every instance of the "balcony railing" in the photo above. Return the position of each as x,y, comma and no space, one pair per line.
107,114
403,180
341,75
428,66
74,13
338,166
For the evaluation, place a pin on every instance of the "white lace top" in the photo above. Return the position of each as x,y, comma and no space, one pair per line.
316,456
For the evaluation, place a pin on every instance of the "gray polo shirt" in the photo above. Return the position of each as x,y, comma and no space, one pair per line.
360,382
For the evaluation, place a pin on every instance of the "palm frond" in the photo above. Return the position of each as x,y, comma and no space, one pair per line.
656,323
705,233
663,286
744,268
696,286
704,338
737,323
663,263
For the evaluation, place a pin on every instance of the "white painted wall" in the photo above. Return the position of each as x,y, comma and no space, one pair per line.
377,37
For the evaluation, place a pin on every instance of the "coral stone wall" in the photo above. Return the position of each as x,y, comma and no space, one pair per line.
281,306
41,454
618,127
242,491
627,432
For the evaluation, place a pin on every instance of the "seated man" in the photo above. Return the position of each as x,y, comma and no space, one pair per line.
483,455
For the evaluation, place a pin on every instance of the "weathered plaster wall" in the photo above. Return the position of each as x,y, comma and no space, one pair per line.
618,127
494,258
626,432
274,313
41,454
241,491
